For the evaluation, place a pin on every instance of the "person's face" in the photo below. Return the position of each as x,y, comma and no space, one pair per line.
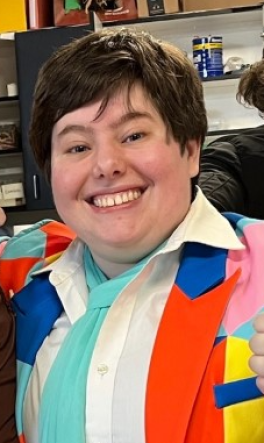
118,180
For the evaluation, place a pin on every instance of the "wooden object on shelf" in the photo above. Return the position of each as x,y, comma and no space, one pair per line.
40,13
198,5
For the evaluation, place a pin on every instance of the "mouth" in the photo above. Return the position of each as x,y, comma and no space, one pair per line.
116,199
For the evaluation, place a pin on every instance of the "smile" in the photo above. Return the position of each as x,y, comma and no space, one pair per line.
116,199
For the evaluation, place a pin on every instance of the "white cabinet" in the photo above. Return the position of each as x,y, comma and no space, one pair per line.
241,32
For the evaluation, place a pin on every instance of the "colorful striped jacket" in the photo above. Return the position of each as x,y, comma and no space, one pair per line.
200,388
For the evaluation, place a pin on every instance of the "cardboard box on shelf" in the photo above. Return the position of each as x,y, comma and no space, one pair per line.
198,5
9,136
148,8
13,191
11,187
73,12
11,202
13,15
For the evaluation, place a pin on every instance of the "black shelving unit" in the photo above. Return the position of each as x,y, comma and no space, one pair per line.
33,48
234,75
7,99
181,16
10,151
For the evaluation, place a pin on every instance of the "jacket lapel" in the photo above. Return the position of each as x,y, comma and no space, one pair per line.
185,339
37,307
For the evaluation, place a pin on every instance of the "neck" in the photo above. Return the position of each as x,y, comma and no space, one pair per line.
111,269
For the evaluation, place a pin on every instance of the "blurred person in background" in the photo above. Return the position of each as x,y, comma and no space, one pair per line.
232,166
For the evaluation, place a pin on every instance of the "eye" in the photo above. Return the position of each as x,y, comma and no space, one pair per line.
79,148
134,137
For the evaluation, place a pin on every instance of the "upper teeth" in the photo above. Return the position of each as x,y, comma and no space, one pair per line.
116,199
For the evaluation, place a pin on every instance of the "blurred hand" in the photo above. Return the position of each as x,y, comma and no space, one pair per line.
2,217
256,344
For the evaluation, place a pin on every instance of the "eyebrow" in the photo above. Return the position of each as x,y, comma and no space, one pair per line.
133,115
114,125
75,128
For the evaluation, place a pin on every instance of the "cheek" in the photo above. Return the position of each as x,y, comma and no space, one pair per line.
173,172
62,182
165,159
157,166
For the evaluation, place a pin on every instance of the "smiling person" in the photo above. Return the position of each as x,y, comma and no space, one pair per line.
136,330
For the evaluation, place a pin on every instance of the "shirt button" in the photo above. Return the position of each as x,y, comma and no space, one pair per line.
102,369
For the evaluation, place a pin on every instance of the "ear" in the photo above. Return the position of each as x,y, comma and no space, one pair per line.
193,150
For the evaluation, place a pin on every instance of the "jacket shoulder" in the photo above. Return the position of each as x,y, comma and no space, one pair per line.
30,250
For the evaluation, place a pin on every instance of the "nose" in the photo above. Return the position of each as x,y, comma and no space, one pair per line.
109,162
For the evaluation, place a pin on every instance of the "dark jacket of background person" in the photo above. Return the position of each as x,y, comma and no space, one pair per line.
8,432
232,172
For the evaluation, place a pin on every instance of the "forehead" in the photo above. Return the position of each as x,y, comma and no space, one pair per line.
135,100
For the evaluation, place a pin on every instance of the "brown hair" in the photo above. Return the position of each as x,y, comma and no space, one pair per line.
99,65
251,86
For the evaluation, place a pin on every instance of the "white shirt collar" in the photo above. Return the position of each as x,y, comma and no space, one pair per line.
204,224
